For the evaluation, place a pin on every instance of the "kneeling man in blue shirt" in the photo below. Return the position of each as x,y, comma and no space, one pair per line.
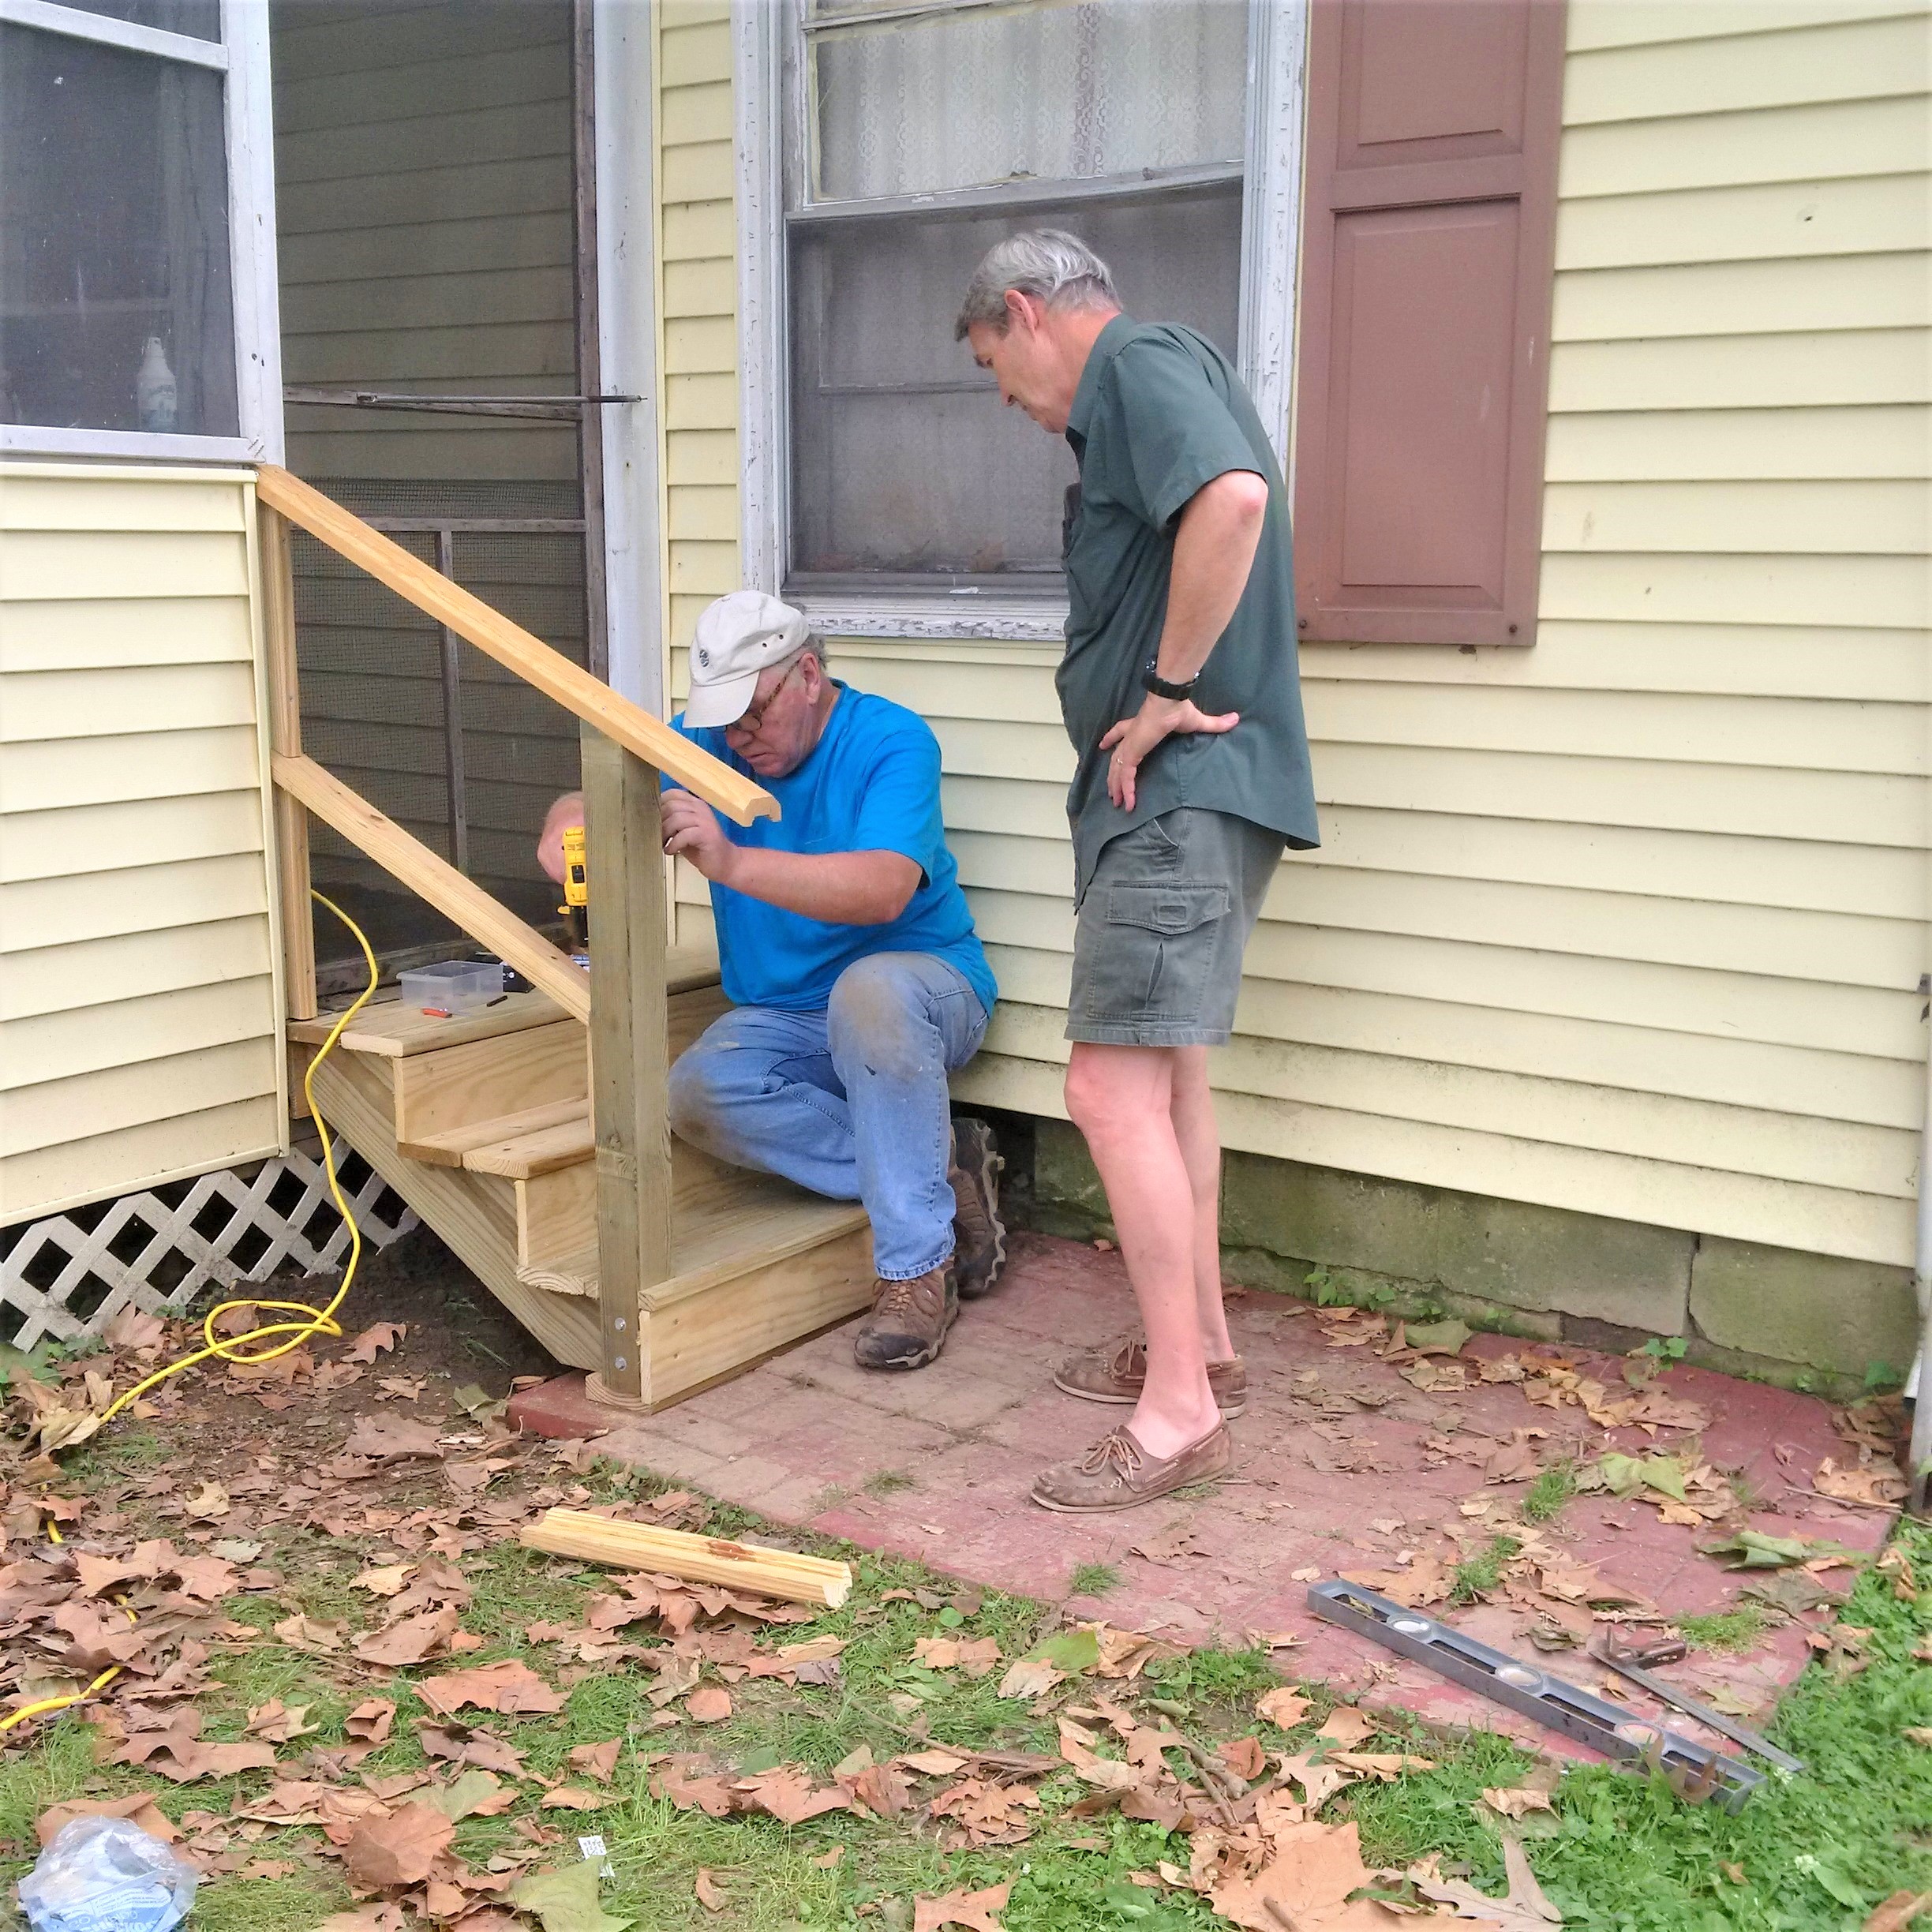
856,979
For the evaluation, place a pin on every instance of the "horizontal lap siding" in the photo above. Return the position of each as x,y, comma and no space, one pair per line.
1628,922
137,1010
698,347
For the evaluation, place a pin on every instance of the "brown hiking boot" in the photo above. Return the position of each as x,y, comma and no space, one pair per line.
1115,1374
1116,1473
909,1319
978,1234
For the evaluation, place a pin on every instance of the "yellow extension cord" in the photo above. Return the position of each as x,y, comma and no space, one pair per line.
314,1322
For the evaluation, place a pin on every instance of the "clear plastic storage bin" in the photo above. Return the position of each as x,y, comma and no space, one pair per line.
451,986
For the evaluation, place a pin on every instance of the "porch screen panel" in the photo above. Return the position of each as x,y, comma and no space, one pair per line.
1429,228
923,141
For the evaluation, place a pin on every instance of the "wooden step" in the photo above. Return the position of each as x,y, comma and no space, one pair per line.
514,1145
759,1265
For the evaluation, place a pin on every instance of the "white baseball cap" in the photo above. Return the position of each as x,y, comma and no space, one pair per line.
737,637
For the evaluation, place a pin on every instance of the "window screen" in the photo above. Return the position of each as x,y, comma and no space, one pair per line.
115,304
904,469
903,460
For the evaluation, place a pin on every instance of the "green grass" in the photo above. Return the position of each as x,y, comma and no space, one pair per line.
1620,1853
1093,1579
1550,1494
1475,1576
1727,1630
888,1482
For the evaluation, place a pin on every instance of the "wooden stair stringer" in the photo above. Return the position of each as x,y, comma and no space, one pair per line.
474,1214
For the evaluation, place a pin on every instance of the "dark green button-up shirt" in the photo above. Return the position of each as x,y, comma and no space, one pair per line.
1159,414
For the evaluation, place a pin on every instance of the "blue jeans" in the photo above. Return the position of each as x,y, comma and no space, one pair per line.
851,1102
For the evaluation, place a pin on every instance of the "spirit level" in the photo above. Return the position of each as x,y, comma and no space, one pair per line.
1577,1714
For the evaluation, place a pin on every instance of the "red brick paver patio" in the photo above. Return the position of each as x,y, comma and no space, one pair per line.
1324,1481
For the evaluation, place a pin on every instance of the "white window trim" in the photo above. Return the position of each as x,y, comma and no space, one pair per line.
242,56
1271,241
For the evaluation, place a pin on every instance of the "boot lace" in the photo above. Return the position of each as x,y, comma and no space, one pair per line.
1117,1453
1128,1361
897,1297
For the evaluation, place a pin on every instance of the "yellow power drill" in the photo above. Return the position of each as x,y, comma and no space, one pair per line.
576,887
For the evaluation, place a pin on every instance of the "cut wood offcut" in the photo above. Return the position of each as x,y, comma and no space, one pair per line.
782,1573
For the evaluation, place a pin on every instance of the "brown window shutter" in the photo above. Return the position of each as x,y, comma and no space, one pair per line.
1422,377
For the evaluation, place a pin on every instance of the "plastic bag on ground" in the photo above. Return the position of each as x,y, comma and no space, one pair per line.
106,1874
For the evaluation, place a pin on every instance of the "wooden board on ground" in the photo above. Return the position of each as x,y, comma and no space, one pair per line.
783,1574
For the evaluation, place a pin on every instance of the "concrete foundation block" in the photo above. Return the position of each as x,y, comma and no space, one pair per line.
1541,1259
1820,1311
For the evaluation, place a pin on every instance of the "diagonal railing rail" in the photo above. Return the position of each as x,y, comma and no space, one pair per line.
623,1000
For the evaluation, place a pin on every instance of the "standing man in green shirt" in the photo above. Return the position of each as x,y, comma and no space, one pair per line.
1180,691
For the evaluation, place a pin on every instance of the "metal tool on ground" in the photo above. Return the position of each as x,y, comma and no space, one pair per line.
1611,1658
1580,1715
576,886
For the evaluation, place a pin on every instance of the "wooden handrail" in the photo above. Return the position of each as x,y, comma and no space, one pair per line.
548,671
432,879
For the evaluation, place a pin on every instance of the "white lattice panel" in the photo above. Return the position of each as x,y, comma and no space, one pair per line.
84,1262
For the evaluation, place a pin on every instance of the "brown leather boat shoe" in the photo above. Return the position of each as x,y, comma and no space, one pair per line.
907,1325
1116,1473
1117,1372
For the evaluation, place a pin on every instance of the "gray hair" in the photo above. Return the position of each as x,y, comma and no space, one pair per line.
1055,268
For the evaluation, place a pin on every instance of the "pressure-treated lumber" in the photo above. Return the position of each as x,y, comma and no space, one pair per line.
437,881
291,827
631,1066
782,1573
548,671
474,1214
437,1093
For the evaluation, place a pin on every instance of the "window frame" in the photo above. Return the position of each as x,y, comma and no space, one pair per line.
768,124
240,56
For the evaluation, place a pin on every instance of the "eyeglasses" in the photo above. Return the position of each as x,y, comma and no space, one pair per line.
754,715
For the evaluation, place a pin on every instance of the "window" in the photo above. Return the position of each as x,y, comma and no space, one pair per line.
136,238
885,146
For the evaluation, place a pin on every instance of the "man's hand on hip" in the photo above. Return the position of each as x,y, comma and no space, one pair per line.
1133,740
691,831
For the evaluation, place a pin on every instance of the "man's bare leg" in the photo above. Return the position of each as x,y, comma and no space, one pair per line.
1122,1099
1200,1140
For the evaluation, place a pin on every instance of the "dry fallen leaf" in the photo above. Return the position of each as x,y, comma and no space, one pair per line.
511,1687
1522,1908
709,1706
978,1911
1513,1803
398,1848
1306,1884
709,1895
1284,1706
1899,1911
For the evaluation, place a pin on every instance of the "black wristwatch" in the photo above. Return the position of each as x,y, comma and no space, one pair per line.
1152,680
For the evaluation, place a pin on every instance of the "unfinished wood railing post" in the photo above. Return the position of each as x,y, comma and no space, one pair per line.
630,1059
291,822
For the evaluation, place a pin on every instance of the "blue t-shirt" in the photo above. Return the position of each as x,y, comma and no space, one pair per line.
871,783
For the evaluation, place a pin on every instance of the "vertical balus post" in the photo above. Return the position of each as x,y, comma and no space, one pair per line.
630,1059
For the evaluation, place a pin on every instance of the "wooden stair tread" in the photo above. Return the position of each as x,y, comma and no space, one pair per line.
726,1231
386,1027
514,1145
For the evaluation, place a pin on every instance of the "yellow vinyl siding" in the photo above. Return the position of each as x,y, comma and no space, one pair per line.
1628,922
138,999
698,346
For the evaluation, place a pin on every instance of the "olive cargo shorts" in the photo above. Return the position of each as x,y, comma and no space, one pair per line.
1157,952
